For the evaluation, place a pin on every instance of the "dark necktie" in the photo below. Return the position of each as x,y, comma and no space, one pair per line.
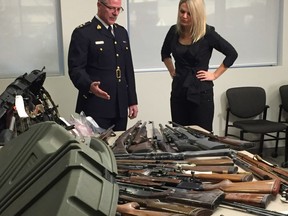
110,29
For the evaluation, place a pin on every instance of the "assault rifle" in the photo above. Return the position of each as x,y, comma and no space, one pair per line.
28,82
237,144
181,143
125,139
200,143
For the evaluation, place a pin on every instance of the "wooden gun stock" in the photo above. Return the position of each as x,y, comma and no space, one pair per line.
264,186
155,204
132,209
259,200
222,161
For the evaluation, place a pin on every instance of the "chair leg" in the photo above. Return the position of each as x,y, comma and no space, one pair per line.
285,163
260,151
275,154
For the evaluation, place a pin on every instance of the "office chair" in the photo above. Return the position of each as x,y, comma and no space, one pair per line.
248,105
283,90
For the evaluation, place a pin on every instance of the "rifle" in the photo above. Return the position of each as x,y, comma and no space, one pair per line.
124,140
156,204
181,142
141,135
106,134
207,161
250,209
214,177
255,199
238,144
180,167
164,143
204,199
174,156
265,186
257,172
272,171
132,209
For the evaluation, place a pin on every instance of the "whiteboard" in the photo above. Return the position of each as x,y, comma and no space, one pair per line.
30,37
251,26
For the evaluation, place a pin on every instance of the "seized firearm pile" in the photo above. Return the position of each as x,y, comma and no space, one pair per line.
183,171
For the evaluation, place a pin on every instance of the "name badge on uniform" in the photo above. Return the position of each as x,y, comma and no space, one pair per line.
99,42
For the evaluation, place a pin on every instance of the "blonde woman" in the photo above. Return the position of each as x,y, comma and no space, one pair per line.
191,42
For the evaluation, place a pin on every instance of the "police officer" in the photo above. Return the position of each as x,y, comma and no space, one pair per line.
100,67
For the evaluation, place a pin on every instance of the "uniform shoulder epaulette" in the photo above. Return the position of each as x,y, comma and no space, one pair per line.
84,24
117,25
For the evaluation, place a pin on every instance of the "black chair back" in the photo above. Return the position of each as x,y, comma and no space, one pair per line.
246,102
284,97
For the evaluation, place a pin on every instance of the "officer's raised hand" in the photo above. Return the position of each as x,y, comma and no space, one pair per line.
94,88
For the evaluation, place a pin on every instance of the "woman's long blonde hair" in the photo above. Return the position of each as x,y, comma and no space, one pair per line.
198,16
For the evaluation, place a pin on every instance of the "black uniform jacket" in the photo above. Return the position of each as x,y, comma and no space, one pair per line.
96,55
191,58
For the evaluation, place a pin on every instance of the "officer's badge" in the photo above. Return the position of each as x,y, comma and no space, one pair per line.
99,27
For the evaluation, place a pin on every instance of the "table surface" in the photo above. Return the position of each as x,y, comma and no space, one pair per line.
275,205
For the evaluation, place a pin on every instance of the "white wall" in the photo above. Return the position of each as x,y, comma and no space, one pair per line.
154,87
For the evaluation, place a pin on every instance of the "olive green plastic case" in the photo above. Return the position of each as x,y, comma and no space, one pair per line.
46,171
